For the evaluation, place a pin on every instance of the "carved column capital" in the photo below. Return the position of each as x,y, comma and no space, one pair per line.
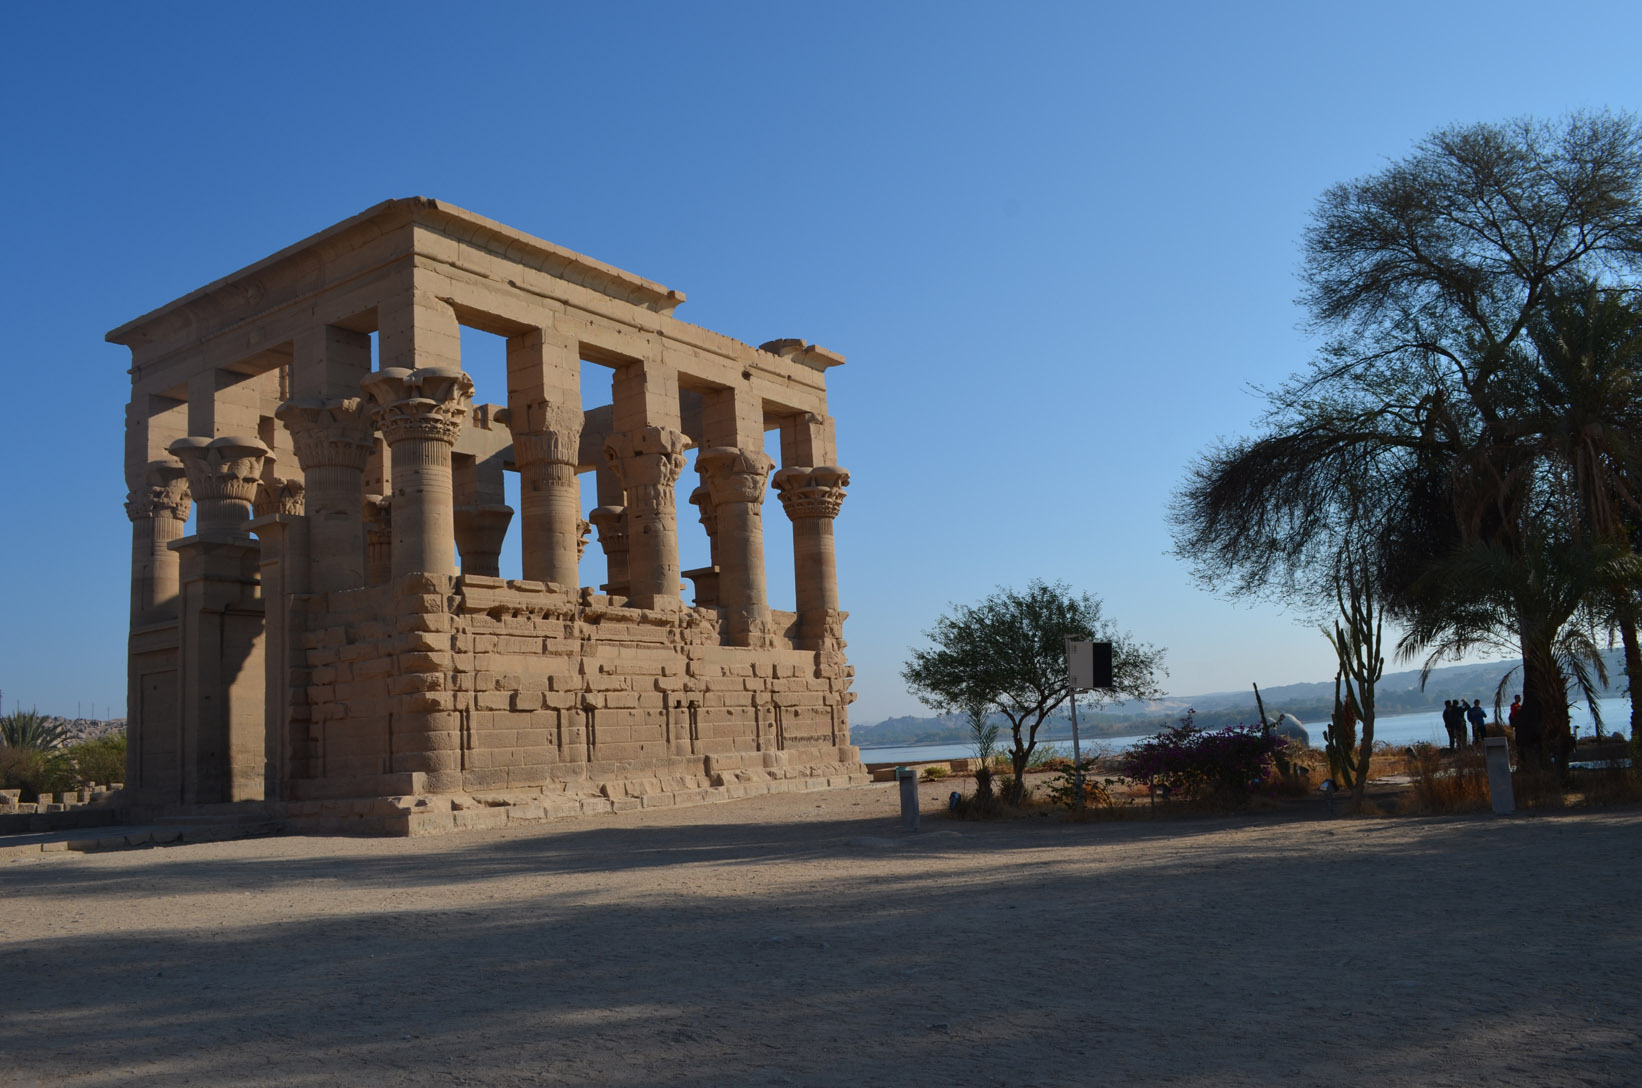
377,514
223,476
429,403
583,527
703,501
279,496
647,456
611,522
333,432
480,531
733,475
812,492
161,493
550,433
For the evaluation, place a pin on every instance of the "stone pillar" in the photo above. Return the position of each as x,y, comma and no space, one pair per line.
648,461
611,522
812,497
332,437
223,474
158,509
420,413
221,625
735,483
546,452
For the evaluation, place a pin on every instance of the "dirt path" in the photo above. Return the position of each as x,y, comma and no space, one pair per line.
801,939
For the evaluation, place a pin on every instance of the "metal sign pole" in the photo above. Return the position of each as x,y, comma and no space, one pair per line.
1077,748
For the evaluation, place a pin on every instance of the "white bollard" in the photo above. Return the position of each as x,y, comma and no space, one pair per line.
908,778
1497,751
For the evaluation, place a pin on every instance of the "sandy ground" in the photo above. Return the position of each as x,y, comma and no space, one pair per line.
802,939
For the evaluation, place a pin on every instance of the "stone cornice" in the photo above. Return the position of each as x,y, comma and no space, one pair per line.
239,293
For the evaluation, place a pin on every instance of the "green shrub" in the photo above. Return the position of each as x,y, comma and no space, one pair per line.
934,771
30,770
100,761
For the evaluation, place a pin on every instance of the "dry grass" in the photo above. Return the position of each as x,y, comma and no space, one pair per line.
1444,781
1602,787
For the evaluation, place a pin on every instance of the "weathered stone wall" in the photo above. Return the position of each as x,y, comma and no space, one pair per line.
501,694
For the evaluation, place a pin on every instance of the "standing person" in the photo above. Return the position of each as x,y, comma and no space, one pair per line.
1511,715
1479,722
1453,720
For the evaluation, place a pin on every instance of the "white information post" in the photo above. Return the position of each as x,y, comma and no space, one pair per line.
1088,666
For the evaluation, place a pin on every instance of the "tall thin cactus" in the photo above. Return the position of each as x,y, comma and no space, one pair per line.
1357,642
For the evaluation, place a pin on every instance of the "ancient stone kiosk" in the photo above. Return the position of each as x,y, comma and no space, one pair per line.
332,639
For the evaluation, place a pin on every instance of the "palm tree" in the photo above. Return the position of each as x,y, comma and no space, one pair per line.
1533,598
1582,409
30,729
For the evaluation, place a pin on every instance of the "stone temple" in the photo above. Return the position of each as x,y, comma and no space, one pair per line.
329,640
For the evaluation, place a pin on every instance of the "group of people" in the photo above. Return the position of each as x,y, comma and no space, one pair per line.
1455,716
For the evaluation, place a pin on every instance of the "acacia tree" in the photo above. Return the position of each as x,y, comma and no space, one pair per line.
1008,653
1404,435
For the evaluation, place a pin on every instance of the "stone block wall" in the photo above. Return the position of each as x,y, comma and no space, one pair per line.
438,698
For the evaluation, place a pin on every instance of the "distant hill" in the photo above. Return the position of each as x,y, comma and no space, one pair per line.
1396,693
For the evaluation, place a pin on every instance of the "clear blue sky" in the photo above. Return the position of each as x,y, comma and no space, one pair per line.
1057,243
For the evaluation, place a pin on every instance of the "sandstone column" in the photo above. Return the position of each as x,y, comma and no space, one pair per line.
648,461
812,498
333,441
158,508
544,406
735,481
223,749
549,492
420,412
611,522
706,578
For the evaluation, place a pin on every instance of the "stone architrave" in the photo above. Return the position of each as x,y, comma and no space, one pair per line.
735,480
158,507
545,448
611,522
420,413
647,461
223,476
333,443
812,498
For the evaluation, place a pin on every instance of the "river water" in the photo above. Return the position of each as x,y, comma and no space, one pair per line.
1398,729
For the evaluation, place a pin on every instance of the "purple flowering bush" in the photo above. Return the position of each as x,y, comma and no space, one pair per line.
1215,765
